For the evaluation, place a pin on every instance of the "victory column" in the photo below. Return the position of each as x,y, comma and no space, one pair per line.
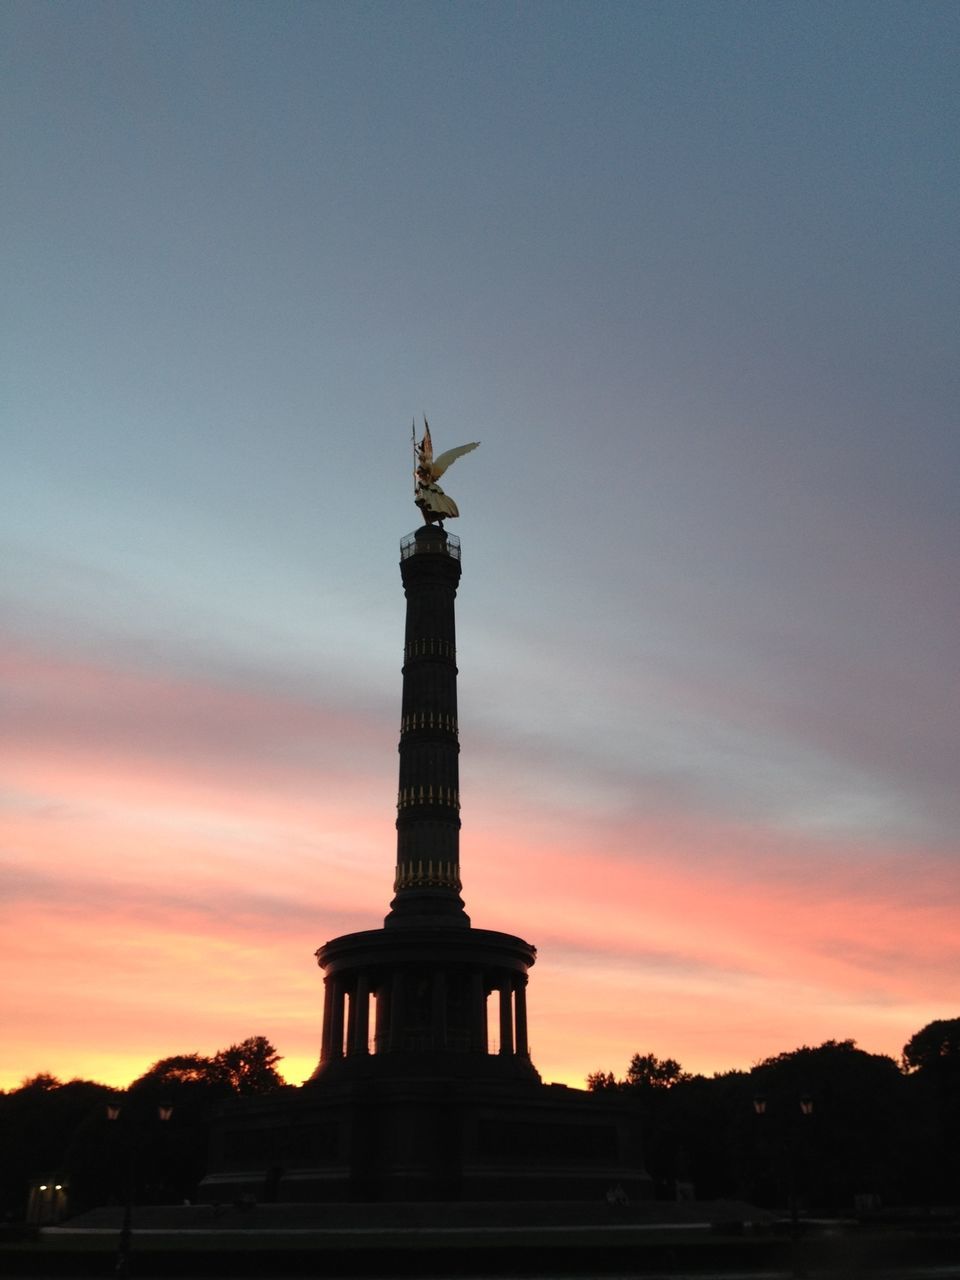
413,1098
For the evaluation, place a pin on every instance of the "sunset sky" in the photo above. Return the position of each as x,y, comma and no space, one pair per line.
688,270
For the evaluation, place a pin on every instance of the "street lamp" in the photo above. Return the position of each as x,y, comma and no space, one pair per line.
760,1105
114,1109
47,1203
806,1109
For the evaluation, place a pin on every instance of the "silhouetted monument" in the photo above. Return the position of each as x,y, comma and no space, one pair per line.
412,1098
426,974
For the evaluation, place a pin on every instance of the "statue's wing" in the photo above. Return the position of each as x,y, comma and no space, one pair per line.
426,444
439,465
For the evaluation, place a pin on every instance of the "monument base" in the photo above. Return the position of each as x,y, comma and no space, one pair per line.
390,1140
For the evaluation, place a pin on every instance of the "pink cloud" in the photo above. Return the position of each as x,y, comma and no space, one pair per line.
163,900
89,709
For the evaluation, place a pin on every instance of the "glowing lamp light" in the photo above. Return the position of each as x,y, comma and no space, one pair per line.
806,1105
760,1105
113,1111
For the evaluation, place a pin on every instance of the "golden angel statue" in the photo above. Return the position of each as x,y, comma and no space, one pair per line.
428,495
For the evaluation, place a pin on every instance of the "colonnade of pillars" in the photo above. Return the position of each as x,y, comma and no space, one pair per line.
414,1011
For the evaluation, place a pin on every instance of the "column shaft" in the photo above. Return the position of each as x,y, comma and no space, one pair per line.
396,1012
428,798
360,1040
506,1017
336,1018
382,1025
478,1013
520,1000
326,1052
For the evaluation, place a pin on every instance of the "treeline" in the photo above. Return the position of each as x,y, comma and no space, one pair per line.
832,1127
94,1139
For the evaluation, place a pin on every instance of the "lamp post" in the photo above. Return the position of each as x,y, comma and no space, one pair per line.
114,1109
47,1202
793,1132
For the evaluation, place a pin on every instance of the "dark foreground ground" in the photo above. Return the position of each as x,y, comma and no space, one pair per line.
445,1242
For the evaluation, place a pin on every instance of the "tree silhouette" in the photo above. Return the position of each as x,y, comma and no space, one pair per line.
603,1081
646,1071
42,1082
858,1138
249,1067
244,1068
935,1047
852,1140
177,1071
42,1124
932,1061
195,1085
50,1127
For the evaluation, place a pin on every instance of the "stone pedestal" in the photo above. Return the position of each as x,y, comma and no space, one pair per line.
448,1138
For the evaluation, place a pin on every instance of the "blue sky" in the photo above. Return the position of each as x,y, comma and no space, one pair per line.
688,272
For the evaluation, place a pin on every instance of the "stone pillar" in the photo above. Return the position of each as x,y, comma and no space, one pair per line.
506,1017
478,1013
351,1018
396,1011
360,1015
338,994
382,1031
523,1049
325,1046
